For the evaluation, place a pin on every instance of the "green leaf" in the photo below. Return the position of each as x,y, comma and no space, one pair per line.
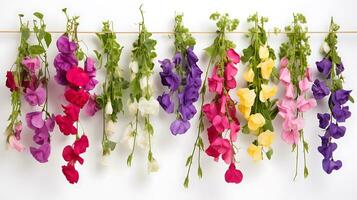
38,15
36,50
48,38
269,153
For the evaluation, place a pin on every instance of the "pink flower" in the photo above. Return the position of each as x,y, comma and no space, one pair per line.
234,127
220,147
285,76
304,85
76,76
286,107
291,136
304,105
210,110
220,123
229,72
32,64
223,101
92,106
289,93
16,144
213,134
308,74
284,62
215,84
233,175
233,56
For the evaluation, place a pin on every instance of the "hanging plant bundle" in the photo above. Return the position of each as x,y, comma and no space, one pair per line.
114,85
295,76
30,80
142,104
78,82
182,76
256,102
330,84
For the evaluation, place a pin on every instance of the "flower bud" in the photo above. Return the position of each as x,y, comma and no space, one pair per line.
108,108
153,165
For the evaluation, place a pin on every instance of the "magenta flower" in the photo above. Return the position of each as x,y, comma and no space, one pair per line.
32,64
42,153
34,120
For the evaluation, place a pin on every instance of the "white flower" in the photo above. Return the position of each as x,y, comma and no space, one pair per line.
325,48
153,165
132,107
109,127
145,82
108,108
148,107
134,67
141,138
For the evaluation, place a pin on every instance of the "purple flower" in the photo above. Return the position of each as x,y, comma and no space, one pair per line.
329,165
91,84
34,120
35,97
41,136
339,68
32,64
60,77
340,96
92,106
66,46
89,67
65,61
335,131
187,111
168,77
328,149
179,126
324,66
341,113
191,57
166,102
42,153
319,89
324,119
177,59
188,96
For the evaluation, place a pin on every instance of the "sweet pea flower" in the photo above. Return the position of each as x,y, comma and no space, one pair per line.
32,64
34,120
266,138
215,83
339,68
42,153
246,97
233,56
179,126
330,165
248,75
153,165
289,91
233,175
320,89
291,136
77,77
70,173
166,103
16,144
263,52
267,92
304,105
65,46
92,106
324,66
256,121
285,77
266,68
220,147
109,127
324,120
341,113
284,62
148,106
10,81
244,110
340,96
336,131
36,97
304,85
255,152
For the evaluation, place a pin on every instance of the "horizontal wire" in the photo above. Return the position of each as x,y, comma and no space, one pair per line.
171,33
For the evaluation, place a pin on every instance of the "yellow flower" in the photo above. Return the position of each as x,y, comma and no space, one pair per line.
256,121
263,52
248,75
266,68
244,110
267,92
266,138
255,152
246,97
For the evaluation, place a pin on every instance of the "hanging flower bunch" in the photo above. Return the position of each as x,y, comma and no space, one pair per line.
295,76
181,75
78,82
30,79
255,101
142,104
113,87
331,84
221,112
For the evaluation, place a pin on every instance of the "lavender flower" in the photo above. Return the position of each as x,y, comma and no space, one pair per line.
319,89
324,66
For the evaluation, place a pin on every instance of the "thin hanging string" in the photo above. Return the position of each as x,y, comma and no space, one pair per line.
171,33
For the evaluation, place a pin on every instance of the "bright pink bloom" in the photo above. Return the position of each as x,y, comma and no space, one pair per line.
220,123
233,56
215,84
234,127
77,97
285,76
32,64
76,76
304,85
221,147
230,72
233,175
210,111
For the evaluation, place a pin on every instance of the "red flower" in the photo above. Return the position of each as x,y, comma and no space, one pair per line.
76,76
233,175
71,111
10,81
81,144
77,97
65,125
71,173
71,156
213,134
220,147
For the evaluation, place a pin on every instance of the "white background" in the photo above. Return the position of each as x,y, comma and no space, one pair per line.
21,177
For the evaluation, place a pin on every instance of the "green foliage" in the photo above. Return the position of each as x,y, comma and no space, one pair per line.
183,38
